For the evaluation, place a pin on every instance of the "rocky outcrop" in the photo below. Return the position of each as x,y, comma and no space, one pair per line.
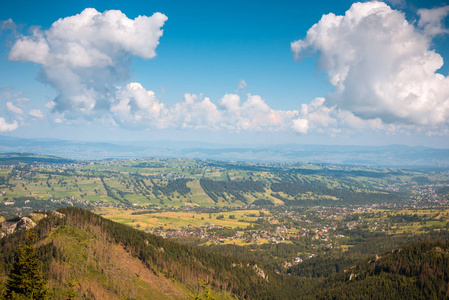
256,268
9,228
260,272
25,223
57,214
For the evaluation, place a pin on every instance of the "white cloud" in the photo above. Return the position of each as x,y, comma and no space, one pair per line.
301,125
5,126
381,66
195,114
255,114
13,116
351,121
36,113
50,105
14,108
431,20
317,116
91,39
135,107
85,55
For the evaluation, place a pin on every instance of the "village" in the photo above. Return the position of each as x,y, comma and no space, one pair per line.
313,230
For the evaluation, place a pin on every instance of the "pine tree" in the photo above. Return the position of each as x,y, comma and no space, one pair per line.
26,280
206,291
71,294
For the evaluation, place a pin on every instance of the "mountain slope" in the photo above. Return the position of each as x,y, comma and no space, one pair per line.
102,269
416,271
107,260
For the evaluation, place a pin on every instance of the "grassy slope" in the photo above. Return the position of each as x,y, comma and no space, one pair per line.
103,270
176,220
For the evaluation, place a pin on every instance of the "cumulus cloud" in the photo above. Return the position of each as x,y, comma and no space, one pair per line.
36,113
253,114
85,55
301,125
136,107
14,108
317,116
5,126
10,116
431,20
194,114
381,65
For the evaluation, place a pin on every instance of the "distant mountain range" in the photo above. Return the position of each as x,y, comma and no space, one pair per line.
399,156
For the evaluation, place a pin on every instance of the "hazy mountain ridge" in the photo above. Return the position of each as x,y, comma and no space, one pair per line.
388,156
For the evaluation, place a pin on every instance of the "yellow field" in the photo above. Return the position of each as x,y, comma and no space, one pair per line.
344,247
237,242
176,220
442,214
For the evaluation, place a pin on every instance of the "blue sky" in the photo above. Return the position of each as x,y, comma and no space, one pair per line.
224,72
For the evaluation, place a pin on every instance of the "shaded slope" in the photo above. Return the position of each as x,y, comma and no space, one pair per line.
416,271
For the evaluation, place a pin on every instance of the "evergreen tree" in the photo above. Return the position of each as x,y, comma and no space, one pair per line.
206,291
71,294
26,280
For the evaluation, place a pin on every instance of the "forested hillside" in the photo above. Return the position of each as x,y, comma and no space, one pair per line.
96,258
90,250
416,271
